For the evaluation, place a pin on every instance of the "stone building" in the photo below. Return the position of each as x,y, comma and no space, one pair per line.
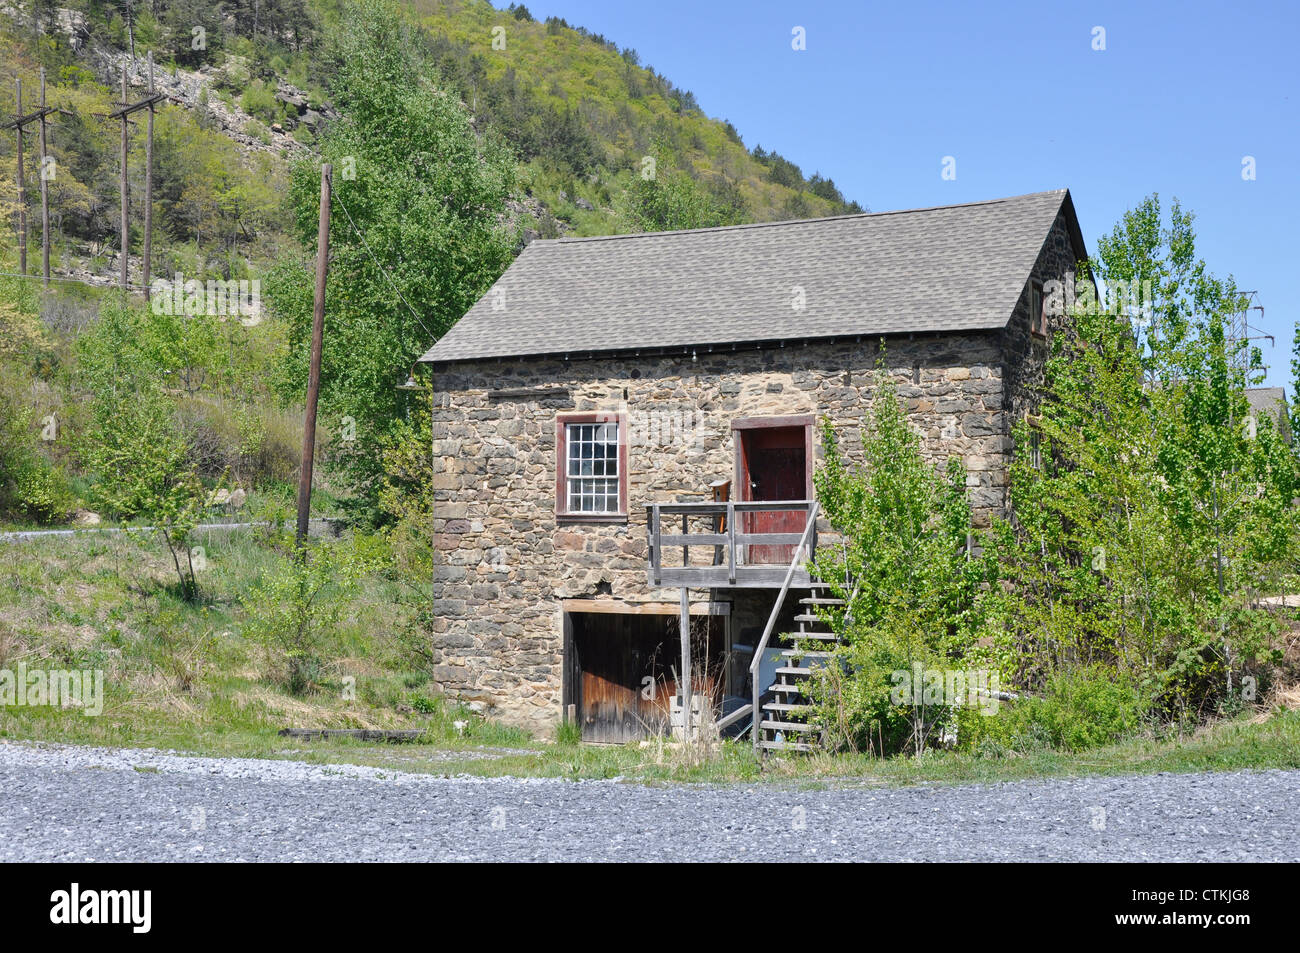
610,392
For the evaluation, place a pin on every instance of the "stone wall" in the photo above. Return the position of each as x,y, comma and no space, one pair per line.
503,560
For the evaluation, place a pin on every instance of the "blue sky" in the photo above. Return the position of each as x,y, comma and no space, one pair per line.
1018,96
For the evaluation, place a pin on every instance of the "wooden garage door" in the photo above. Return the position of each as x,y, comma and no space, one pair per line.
624,669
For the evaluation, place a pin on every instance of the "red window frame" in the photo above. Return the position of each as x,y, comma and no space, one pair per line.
562,422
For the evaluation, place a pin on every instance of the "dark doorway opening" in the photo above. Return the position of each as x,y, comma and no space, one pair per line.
623,670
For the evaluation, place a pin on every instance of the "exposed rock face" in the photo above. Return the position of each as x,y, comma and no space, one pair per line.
185,88
504,561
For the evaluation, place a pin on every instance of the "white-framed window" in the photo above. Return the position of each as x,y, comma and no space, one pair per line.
591,465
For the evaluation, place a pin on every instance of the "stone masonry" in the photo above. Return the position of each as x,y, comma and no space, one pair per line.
503,561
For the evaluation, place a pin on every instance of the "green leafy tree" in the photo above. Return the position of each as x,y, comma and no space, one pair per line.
663,197
406,499
1156,507
296,606
143,462
134,444
416,235
905,571
1295,388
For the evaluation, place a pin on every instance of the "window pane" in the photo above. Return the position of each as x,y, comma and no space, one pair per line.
591,468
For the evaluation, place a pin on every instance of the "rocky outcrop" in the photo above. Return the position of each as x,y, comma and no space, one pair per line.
187,88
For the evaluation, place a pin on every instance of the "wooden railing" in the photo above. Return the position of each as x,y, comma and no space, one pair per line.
803,552
729,564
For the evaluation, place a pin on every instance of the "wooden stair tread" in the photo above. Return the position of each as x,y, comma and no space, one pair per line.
784,706
798,726
789,690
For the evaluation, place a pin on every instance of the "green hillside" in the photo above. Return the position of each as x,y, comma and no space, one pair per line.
569,123
583,114
583,117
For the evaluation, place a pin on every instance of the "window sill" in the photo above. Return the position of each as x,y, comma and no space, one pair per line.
568,518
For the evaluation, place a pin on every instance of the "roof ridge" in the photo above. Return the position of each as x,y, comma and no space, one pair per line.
790,221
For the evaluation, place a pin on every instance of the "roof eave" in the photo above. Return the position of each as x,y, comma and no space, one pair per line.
712,347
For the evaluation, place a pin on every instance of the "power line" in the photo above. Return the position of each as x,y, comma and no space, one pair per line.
381,268
123,285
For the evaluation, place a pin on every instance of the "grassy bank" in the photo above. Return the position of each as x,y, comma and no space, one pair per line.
183,676
488,751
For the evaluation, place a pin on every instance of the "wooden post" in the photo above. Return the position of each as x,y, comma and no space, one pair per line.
45,194
684,688
317,336
22,191
125,188
731,542
148,188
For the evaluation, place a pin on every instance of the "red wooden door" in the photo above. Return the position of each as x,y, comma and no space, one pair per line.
775,465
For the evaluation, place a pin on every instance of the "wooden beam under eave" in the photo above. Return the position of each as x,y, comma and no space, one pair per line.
614,607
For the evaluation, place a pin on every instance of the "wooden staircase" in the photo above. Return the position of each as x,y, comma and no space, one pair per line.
783,724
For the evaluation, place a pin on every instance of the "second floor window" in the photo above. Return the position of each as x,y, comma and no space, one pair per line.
592,479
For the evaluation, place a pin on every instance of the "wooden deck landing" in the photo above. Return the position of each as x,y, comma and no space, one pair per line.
715,548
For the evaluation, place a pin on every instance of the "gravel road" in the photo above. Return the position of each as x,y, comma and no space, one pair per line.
70,803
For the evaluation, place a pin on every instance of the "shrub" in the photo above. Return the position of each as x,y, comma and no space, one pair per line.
258,445
142,461
31,486
911,585
296,606
41,490
1080,709
259,101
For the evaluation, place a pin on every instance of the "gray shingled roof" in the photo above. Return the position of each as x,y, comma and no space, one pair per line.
1271,401
957,267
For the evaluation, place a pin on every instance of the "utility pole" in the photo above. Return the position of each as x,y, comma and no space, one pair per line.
19,122
22,191
148,184
45,194
317,337
125,187
125,110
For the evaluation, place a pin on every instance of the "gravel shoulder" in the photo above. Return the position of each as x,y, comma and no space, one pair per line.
68,803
